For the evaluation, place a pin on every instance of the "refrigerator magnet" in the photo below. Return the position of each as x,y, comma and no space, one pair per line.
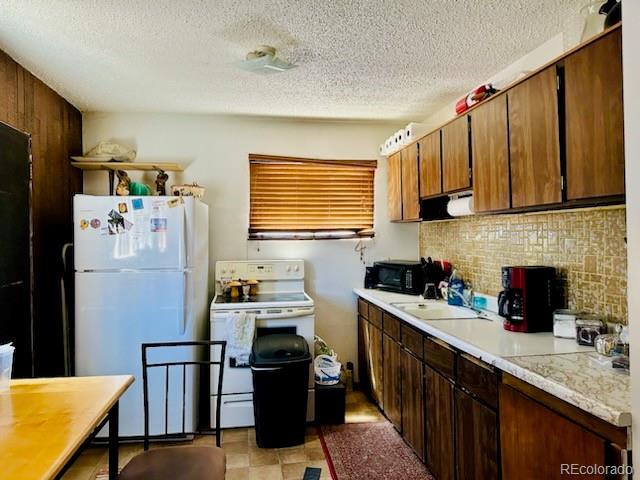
174,202
95,223
137,204
158,225
83,224
116,223
122,208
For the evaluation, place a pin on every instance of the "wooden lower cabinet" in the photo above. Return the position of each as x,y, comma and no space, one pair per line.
364,383
413,402
439,425
370,362
476,439
374,342
467,421
391,379
535,441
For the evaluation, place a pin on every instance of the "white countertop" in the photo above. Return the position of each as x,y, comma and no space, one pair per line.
558,366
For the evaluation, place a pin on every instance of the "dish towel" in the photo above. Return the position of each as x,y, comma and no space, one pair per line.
241,328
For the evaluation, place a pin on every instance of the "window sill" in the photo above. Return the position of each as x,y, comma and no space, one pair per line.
309,236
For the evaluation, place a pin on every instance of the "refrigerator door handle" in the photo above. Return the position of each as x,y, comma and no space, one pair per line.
277,316
182,327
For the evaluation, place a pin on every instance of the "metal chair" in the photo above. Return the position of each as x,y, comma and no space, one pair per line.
173,463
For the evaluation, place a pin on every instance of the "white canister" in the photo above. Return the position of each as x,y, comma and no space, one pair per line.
564,323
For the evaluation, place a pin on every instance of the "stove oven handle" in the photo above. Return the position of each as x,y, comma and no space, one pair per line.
297,313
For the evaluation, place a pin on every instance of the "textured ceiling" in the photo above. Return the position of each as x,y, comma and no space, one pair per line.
356,59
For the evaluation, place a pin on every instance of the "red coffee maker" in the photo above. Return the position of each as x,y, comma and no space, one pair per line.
526,301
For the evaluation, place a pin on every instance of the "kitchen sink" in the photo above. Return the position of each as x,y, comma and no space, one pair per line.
435,310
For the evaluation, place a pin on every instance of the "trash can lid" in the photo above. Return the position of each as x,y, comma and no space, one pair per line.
280,349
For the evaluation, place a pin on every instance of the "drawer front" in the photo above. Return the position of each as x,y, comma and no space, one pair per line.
412,340
478,379
440,356
391,326
375,316
363,308
237,410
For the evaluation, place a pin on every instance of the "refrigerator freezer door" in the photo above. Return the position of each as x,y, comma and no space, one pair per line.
197,228
114,233
115,313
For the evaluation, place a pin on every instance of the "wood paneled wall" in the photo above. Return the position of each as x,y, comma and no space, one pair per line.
55,125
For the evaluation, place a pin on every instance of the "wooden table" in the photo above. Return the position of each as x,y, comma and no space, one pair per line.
44,422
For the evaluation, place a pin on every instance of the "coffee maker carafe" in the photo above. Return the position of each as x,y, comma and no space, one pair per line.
526,301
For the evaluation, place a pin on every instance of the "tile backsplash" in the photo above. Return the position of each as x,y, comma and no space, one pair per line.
587,246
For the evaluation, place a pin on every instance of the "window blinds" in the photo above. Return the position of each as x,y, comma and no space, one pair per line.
299,197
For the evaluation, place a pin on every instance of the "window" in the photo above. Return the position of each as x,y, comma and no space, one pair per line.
307,198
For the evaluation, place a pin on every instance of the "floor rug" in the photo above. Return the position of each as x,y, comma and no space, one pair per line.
369,451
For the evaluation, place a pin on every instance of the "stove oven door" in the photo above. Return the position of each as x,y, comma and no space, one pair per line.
237,384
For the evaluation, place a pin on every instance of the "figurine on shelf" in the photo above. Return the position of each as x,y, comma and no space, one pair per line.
161,181
124,182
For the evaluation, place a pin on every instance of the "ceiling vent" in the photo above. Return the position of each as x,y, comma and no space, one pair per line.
263,60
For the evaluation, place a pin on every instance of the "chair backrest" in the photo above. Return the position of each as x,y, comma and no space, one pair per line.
184,366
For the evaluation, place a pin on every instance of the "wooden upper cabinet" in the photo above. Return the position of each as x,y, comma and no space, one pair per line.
535,141
410,194
527,426
394,186
9,89
456,157
430,165
594,119
490,152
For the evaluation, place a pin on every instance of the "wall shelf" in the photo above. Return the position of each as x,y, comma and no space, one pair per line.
129,166
112,166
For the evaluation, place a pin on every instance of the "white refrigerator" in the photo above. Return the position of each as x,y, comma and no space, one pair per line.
141,273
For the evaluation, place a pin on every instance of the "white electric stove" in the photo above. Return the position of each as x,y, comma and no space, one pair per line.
281,306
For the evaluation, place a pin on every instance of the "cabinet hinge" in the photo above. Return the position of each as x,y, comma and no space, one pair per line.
562,183
469,172
558,82
30,171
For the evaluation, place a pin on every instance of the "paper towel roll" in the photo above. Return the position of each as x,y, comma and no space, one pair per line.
459,207
414,131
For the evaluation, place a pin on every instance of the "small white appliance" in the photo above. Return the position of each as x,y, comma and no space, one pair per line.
281,306
141,276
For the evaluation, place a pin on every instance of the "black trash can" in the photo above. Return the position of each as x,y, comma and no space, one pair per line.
280,369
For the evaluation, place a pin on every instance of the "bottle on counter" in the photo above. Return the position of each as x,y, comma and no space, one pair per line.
455,291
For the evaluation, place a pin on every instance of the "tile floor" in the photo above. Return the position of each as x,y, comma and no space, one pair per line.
244,459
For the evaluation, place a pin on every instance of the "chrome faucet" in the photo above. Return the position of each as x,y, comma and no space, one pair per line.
467,299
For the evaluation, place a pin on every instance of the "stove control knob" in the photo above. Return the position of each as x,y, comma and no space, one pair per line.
288,268
296,268
224,270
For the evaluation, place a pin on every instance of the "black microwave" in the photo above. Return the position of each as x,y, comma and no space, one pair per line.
402,276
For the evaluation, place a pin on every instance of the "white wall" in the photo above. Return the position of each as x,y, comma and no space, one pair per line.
215,150
631,71
546,52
